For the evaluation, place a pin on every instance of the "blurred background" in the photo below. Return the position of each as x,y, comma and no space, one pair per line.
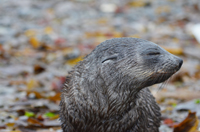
41,40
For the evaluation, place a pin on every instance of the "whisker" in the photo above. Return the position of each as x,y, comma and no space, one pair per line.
164,84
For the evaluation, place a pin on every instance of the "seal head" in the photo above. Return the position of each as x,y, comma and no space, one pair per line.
107,91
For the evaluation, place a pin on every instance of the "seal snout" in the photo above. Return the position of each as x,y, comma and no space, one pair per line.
180,63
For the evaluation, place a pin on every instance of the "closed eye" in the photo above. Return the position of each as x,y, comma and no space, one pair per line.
113,57
154,53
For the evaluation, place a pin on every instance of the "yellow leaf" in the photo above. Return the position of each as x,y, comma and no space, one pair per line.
163,9
118,34
31,84
99,34
48,30
75,60
30,33
100,39
55,98
67,50
102,21
137,3
34,121
34,42
55,117
190,124
89,34
10,124
176,51
50,11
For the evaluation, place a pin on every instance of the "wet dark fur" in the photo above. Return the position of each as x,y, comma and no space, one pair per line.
107,91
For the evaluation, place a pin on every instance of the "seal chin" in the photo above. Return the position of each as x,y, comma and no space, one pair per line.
164,77
159,77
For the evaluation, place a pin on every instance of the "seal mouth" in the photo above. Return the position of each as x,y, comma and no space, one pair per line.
164,72
161,76
169,71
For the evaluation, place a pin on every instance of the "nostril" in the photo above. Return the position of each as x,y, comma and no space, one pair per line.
180,63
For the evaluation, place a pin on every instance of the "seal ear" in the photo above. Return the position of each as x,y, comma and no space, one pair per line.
112,57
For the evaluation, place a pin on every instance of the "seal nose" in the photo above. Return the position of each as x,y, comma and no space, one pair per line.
180,63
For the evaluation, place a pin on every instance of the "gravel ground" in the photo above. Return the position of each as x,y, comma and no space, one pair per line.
41,40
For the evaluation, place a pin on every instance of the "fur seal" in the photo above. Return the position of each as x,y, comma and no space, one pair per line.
107,91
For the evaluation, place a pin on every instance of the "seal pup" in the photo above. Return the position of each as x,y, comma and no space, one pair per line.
108,90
